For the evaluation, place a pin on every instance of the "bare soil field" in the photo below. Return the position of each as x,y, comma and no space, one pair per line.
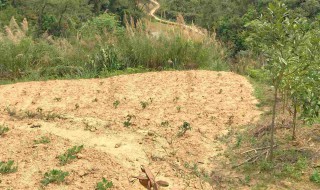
123,122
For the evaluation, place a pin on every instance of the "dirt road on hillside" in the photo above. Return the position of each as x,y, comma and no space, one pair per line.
187,27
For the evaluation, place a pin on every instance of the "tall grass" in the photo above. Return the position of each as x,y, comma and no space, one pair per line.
98,50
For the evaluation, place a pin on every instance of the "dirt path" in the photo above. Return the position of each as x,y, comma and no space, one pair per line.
187,27
107,116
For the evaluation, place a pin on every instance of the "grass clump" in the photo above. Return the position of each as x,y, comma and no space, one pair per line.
8,167
69,155
315,177
54,176
104,184
42,140
3,130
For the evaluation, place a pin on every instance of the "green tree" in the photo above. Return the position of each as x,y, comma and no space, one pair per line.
285,43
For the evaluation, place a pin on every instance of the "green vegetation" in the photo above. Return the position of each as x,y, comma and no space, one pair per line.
42,140
3,130
128,123
8,167
315,177
69,155
54,176
184,128
144,104
104,184
116,104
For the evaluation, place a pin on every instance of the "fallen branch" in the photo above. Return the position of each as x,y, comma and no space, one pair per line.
256,149
252,159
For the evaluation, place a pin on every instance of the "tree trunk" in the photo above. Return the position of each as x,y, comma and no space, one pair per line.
294,120
273,123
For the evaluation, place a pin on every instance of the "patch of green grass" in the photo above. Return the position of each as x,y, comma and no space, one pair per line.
3,130
104,184
42,140
8,167
315,177
69,155
54,176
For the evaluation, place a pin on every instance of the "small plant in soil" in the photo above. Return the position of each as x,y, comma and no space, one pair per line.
184,128
11,111
42,140
3,130
116,104
8,167
164,123
69,155
54,176
95,100
57,99
30,114
104,184
128,123
315,177
179,109
144,104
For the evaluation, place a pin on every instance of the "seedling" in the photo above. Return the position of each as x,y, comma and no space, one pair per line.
144,104
95,100
165,124
30,114
54,176
178,109
42,140
7,167
128,123
184,128
57,99
105,184
3,130
116,104
69,155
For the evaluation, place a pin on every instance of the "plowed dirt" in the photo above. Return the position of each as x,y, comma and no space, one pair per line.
118,134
